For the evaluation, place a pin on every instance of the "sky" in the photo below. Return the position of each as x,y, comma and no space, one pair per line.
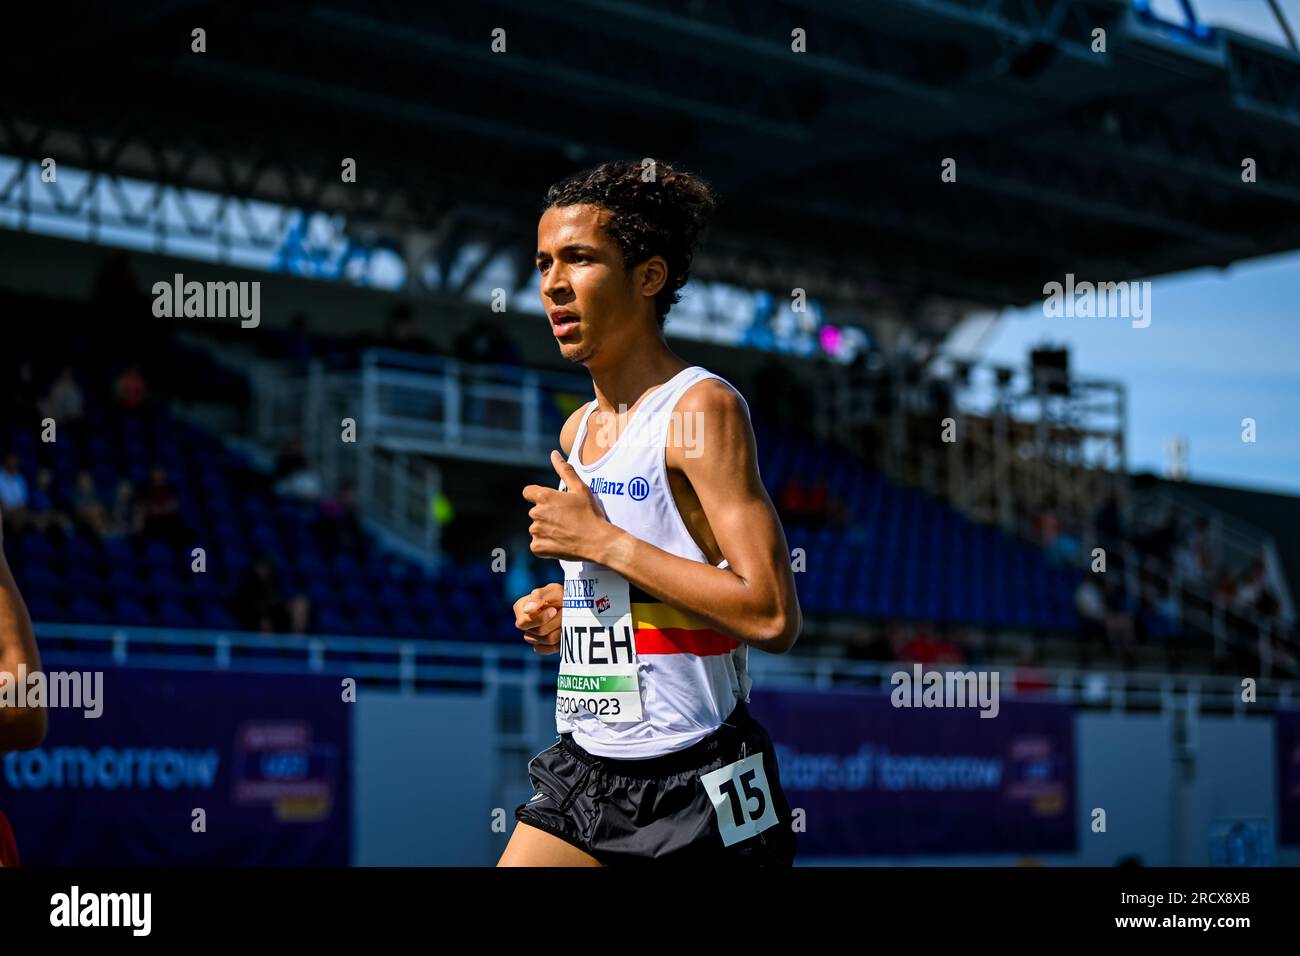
1222,346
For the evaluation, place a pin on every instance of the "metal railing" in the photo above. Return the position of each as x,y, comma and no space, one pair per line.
404,409
431,666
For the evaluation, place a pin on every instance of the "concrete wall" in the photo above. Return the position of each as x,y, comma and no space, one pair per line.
422,780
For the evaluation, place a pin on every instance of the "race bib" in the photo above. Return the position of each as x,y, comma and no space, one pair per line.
741,799
597,648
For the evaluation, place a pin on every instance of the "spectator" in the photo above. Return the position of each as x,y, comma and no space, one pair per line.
65,403
13,493
824,508
1251,586
339,528
42,512
159,510
130,390
925,648
1186,563
1047,525
87,509
293,476
260,605
1090,603
1225,589
792,499
124,518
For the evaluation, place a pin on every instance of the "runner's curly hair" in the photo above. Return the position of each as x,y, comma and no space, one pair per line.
658,210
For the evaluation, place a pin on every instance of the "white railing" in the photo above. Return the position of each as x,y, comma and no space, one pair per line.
405,410
427,665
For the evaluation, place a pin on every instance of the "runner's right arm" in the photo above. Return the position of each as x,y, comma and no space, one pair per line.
538,613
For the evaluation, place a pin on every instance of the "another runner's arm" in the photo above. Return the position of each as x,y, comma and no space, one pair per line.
754,599
20,727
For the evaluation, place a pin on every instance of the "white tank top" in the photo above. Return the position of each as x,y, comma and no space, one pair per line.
687,675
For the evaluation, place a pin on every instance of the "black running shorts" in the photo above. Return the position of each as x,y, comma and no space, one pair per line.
718,801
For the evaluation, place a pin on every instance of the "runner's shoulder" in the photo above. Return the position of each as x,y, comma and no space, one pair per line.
714,400
715,409
570,430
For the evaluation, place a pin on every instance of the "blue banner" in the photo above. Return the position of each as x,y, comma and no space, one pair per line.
188,768
878,780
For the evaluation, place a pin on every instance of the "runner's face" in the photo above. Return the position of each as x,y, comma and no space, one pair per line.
583,276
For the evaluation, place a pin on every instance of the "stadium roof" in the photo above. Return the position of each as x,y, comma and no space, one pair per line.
1107,165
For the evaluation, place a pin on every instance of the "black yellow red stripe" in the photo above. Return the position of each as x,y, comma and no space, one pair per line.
661,629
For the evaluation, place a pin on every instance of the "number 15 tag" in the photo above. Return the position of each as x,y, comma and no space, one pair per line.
741,799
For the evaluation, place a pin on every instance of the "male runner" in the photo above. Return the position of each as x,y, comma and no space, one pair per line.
674,560
20,728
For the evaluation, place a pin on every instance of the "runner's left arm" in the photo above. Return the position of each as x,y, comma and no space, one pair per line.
753,599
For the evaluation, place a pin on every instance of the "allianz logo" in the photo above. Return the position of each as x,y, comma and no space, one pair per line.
637,489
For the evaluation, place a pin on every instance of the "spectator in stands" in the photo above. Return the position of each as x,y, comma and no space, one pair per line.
130,390
13,494
339,529
1225,588
87,509
1090,602
124,517
1047,525
23,406
159,510
259,603
1254,593
1194,555
792,500
65,402
824,508
925,646
43,512
293,475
